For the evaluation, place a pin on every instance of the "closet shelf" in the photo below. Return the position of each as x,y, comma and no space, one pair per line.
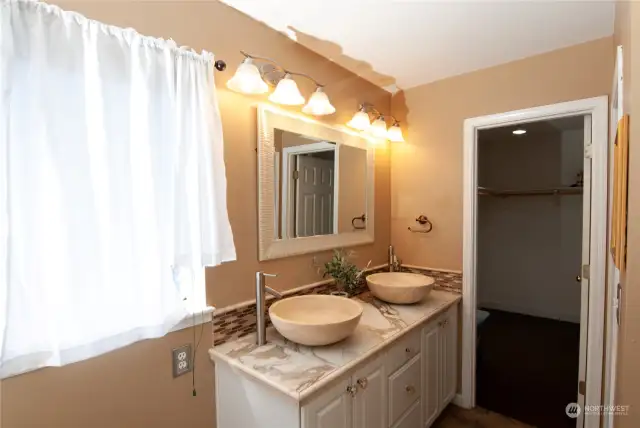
485,191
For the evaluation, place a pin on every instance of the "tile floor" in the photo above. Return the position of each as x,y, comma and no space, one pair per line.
456,417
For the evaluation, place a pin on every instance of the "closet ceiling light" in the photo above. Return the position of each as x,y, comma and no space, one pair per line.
394,133
287,92
360,121
319,104
379,128
519,132
247,79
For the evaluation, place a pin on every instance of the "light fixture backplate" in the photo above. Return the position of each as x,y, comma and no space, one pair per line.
271,74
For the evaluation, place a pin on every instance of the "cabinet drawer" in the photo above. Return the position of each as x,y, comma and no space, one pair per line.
404,388
411,419
402,351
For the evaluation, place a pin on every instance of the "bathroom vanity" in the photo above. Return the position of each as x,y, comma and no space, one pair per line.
398,369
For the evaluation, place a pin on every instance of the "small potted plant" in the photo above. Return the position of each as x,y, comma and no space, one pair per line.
346,274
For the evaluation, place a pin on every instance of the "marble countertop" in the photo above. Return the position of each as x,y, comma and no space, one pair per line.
299,371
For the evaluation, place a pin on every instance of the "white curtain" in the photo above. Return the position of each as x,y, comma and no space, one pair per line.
112,186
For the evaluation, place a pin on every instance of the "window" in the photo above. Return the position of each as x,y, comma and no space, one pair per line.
112,186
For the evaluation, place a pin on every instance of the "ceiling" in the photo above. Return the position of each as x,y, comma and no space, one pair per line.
402,44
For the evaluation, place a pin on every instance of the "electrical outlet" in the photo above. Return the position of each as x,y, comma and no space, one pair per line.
181,360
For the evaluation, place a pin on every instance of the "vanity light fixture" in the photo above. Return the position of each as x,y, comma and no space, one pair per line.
378,129
287,92
519,131
248,79
394,134
319,104
251,78
360,120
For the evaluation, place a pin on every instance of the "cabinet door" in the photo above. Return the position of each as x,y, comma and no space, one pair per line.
330,409
370,404
431,371
448,357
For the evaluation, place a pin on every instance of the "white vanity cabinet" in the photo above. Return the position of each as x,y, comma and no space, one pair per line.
330,409
440,364
407,387
405,384
358,402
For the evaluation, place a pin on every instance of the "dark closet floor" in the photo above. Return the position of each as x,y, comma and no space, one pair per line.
527,368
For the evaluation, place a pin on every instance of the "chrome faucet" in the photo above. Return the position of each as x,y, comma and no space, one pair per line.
261,289
394,262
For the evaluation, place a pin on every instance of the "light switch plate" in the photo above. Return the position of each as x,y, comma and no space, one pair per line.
181,360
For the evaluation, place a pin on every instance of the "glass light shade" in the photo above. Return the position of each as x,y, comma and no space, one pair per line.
247,79
395,134
319,104
360,121
287,93
379,128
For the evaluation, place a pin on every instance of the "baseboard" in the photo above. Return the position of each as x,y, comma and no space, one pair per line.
459,401
524,310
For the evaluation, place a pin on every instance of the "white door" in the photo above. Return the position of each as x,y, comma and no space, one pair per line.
431,372
331,409
614,289
584,274
448,358
314,196
370,404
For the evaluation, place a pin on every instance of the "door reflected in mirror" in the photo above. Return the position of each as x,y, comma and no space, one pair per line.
320,186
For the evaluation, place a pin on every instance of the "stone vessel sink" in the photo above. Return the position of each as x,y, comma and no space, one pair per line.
315,320
400,287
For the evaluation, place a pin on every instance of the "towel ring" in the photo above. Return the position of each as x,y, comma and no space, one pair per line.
362,218
423,221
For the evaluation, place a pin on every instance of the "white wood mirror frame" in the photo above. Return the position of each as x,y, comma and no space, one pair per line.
271,118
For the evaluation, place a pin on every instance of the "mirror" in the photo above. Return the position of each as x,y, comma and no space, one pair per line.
320,186
316,186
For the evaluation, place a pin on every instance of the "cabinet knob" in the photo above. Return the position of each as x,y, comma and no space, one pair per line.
408,350
410,389
352,390
363,382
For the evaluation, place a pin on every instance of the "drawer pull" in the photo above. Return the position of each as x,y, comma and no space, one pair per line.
408,350
363,382
410,389
352,390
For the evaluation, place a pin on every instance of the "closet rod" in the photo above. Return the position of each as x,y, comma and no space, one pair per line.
531,192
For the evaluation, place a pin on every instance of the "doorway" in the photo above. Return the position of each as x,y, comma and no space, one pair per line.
587,296
308,188
530,238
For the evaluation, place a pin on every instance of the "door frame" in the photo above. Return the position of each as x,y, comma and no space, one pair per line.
613,279
598,109
288,166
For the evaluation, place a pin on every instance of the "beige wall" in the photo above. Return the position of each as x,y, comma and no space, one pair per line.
133,387
427,173
627,34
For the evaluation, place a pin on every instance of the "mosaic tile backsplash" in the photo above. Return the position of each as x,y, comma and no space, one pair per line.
229,325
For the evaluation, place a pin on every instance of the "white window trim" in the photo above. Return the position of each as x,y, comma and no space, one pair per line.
195,319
